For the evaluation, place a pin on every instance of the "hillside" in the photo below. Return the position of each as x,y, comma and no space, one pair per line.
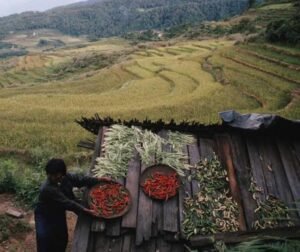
108,18
43,92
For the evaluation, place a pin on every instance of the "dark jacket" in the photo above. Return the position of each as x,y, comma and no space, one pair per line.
56,198
50,211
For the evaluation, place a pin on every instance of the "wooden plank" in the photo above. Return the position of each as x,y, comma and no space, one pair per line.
256,166
177,247
263,146
207,147
126,247
224,150
132,184
157,217
184,191
163,246
148,246
194,157
237,237
91,243
113,227
187,185
97,224
242,168
144,220
170,207
275,164
116,244
291,167
81,233
170,212
102,243
97,148
133,247
157,213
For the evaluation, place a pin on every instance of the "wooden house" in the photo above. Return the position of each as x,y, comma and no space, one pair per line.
268,147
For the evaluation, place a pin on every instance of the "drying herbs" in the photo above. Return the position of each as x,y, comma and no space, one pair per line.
118,150
270,212
213,209
109,200
121,142
161,186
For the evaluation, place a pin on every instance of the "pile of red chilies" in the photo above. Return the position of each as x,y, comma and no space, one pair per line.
109,199
161,186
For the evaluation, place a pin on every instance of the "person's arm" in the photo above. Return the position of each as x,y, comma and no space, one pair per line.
55,195
80,180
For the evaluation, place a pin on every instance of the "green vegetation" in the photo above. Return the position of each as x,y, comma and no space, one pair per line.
271,244
212,210
107,18
185,78
43,93
10,226
23,180
121,142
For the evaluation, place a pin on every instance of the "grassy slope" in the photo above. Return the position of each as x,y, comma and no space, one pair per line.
189,80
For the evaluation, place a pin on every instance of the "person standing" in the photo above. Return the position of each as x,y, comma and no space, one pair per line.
56,196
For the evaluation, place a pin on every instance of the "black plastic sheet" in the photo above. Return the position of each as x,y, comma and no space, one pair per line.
259,122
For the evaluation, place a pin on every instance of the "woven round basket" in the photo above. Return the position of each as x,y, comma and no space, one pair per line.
162,168
125,211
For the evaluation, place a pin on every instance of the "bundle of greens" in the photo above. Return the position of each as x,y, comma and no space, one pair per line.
118,150
270,212
120,143
213,210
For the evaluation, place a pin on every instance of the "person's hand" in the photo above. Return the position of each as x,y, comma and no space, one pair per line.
91,212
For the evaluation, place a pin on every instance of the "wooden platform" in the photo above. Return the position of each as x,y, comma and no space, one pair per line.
156,226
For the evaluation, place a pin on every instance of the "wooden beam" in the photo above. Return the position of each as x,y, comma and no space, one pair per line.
98,225
238,237
170,207
242,167
132,184
144,214
224,148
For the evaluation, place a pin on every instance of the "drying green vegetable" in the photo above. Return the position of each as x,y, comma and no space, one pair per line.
213,210
176,139
270,212
121,142
118,150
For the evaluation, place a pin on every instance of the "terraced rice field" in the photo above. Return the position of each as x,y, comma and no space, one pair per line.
191,80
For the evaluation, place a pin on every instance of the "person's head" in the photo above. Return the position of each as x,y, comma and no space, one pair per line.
56,170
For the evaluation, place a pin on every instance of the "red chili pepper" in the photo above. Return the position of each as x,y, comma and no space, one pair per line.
109,199
161,186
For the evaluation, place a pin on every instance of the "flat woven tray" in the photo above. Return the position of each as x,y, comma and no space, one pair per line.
103,182
162,168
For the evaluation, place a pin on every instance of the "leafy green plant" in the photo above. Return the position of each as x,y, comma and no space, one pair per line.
23,181
40,156
27,188
271,245
7,178
10,226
